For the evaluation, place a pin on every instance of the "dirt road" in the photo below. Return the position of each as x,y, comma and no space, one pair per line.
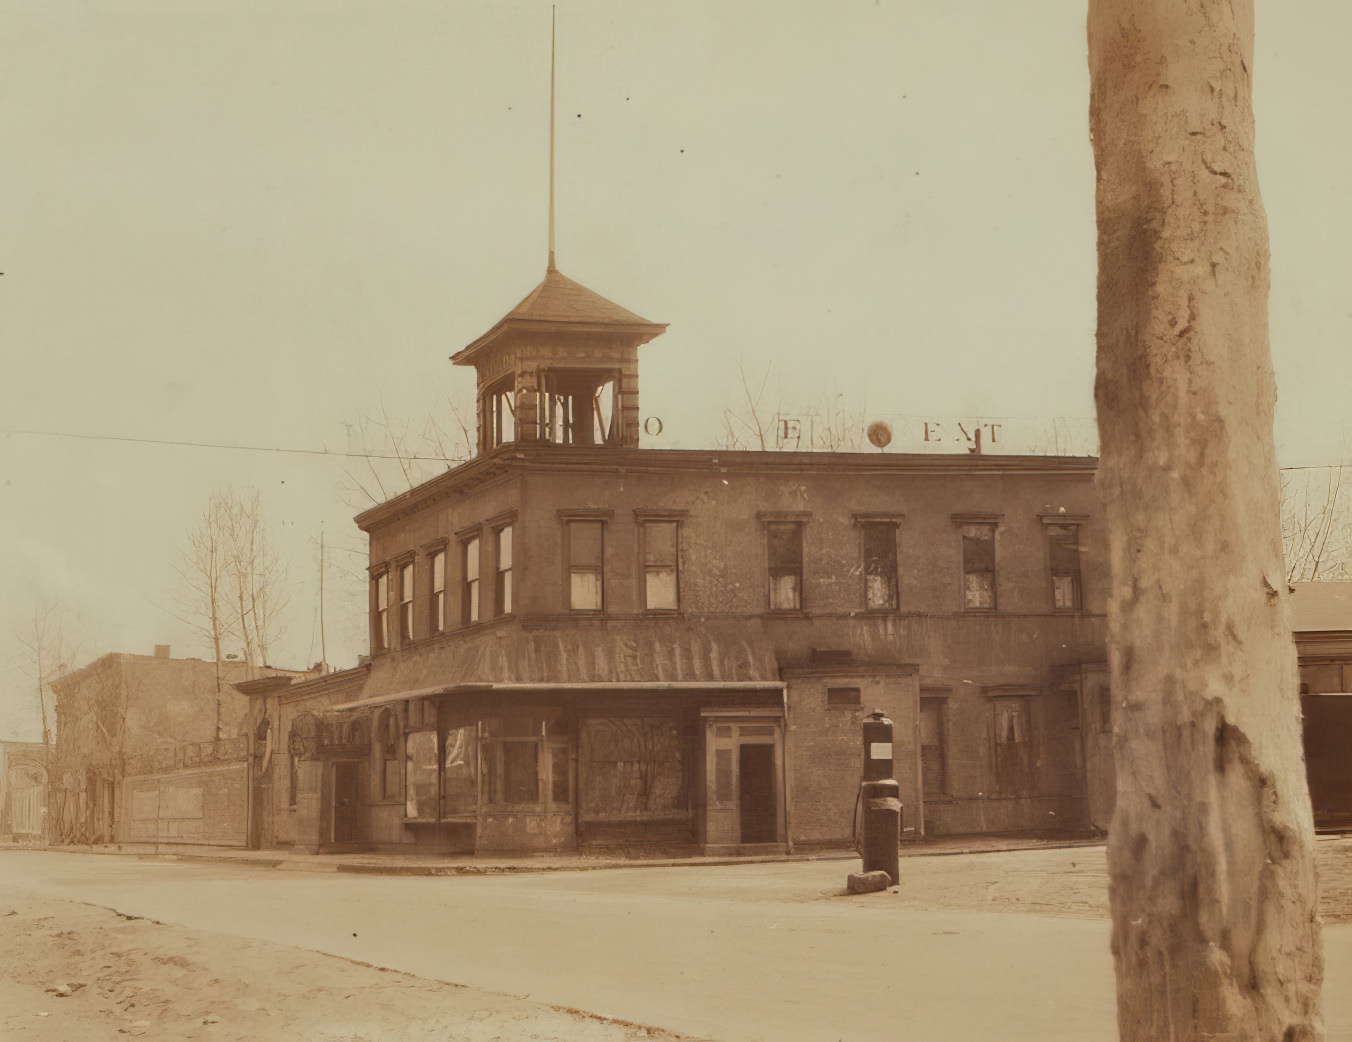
78,972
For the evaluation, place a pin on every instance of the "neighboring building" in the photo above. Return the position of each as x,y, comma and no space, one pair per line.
23,792
1321,622
293,741
577,642
151,748
1321,616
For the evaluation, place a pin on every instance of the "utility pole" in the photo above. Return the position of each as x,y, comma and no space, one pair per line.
46,751
323,652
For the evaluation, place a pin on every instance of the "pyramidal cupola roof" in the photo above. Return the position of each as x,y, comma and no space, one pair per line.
561,304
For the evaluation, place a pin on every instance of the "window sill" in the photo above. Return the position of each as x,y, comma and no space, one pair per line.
527,808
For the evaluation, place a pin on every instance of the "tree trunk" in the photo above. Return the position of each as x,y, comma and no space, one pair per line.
1211,849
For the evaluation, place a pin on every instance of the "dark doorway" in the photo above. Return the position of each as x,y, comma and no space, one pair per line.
933,748
1328,731
346,791
756,793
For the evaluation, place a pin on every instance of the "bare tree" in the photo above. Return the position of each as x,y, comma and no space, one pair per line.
231,583
48,651
1316,527
1211,846
400,452
1063,437
753,423
255,575
200,599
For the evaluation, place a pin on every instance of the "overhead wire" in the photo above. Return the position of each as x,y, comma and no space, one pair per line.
240,448
338,454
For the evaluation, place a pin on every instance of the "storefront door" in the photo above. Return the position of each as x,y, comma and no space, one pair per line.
744,771
346,806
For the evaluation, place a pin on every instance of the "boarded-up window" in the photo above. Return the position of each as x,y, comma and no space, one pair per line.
784,561
933,747
978,567
145,804
880,565
660,590
843,696
632,767
1063,555
585,556
420,773
459,770
1013,746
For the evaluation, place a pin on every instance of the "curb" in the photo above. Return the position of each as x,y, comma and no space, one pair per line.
526,868
311,863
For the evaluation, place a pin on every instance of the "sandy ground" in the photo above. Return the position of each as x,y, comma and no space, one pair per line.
73,972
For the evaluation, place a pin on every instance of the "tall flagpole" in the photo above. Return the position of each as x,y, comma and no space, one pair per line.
553,19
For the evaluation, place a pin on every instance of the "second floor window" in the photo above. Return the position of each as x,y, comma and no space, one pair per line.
585,564
380,622
406,602
469,587
1063,555
784,562
978,567
438,606
880,565
503,585
661,591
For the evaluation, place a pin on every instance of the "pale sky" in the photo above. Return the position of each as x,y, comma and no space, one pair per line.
253,223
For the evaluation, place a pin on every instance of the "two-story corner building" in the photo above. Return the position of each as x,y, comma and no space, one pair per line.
576,641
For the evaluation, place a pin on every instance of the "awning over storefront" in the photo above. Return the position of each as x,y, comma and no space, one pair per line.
566,687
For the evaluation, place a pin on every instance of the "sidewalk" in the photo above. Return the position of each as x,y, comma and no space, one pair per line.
401,864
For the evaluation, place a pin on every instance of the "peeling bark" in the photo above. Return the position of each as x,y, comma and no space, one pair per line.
1211,849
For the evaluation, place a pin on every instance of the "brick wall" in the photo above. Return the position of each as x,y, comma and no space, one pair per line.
207,805
825,749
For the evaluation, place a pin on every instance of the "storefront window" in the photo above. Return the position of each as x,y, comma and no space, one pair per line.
458,793
420,774
526,761
633,767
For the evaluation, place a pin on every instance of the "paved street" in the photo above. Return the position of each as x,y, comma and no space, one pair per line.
1006,945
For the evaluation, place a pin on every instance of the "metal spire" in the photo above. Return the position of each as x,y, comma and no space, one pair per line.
553,18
